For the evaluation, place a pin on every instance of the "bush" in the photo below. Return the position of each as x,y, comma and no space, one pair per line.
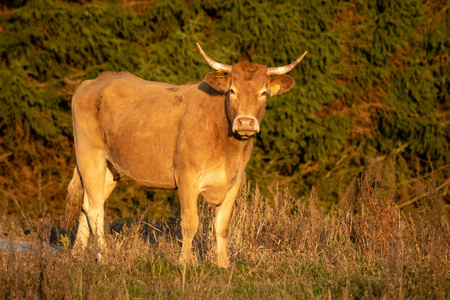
373,86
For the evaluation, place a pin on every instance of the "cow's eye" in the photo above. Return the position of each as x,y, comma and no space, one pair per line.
232,92
263,94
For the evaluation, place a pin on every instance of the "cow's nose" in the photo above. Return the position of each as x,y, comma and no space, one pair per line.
246,123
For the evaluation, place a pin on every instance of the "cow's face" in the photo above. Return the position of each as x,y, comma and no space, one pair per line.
247,86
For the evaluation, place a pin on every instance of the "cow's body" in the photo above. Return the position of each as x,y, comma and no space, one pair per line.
152,132
193,137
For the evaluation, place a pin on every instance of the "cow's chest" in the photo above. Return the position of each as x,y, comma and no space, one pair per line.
216,182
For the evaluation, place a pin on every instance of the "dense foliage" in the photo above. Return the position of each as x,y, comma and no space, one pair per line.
373,86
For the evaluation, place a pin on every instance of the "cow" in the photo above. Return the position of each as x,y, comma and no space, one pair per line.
196,138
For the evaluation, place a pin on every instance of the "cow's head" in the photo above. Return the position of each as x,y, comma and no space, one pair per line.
247,86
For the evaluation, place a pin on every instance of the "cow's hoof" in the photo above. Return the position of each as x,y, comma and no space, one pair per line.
189,260
223,263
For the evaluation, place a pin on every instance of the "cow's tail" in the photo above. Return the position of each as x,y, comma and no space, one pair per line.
74,201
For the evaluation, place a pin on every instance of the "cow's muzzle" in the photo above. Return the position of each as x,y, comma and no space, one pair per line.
245,126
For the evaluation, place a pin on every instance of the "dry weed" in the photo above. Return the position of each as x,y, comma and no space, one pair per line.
280,247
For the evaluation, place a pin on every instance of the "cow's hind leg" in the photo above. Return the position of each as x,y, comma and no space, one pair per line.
98,184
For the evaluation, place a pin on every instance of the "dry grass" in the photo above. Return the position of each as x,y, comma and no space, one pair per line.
280,247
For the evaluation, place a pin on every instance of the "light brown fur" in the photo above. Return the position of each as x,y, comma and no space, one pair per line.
193,137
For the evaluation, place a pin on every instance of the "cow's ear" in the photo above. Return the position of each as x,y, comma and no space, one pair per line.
218,81
280,84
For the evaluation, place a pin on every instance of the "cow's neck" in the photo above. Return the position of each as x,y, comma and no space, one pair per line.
239,146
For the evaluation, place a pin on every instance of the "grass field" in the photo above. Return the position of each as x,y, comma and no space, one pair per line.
280,247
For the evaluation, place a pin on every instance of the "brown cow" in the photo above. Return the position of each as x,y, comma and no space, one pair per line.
195,138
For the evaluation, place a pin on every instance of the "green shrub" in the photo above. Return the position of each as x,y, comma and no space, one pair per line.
373,86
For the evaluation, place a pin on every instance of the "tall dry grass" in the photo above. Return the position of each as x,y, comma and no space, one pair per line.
280,247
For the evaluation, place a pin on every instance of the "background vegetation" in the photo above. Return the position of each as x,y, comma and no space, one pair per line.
373,86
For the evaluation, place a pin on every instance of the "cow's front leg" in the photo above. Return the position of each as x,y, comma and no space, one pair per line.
189,221
222,224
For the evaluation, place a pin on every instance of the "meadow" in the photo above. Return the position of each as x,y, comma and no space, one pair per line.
359,149
280,248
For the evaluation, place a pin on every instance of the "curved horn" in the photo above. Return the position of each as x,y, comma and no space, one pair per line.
285,69
214,64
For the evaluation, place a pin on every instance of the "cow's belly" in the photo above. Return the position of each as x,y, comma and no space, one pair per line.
141,137
146,171
144,156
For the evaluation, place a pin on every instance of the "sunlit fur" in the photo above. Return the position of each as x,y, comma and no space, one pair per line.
169,137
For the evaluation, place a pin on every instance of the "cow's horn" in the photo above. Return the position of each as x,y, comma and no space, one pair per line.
285,69
214,64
